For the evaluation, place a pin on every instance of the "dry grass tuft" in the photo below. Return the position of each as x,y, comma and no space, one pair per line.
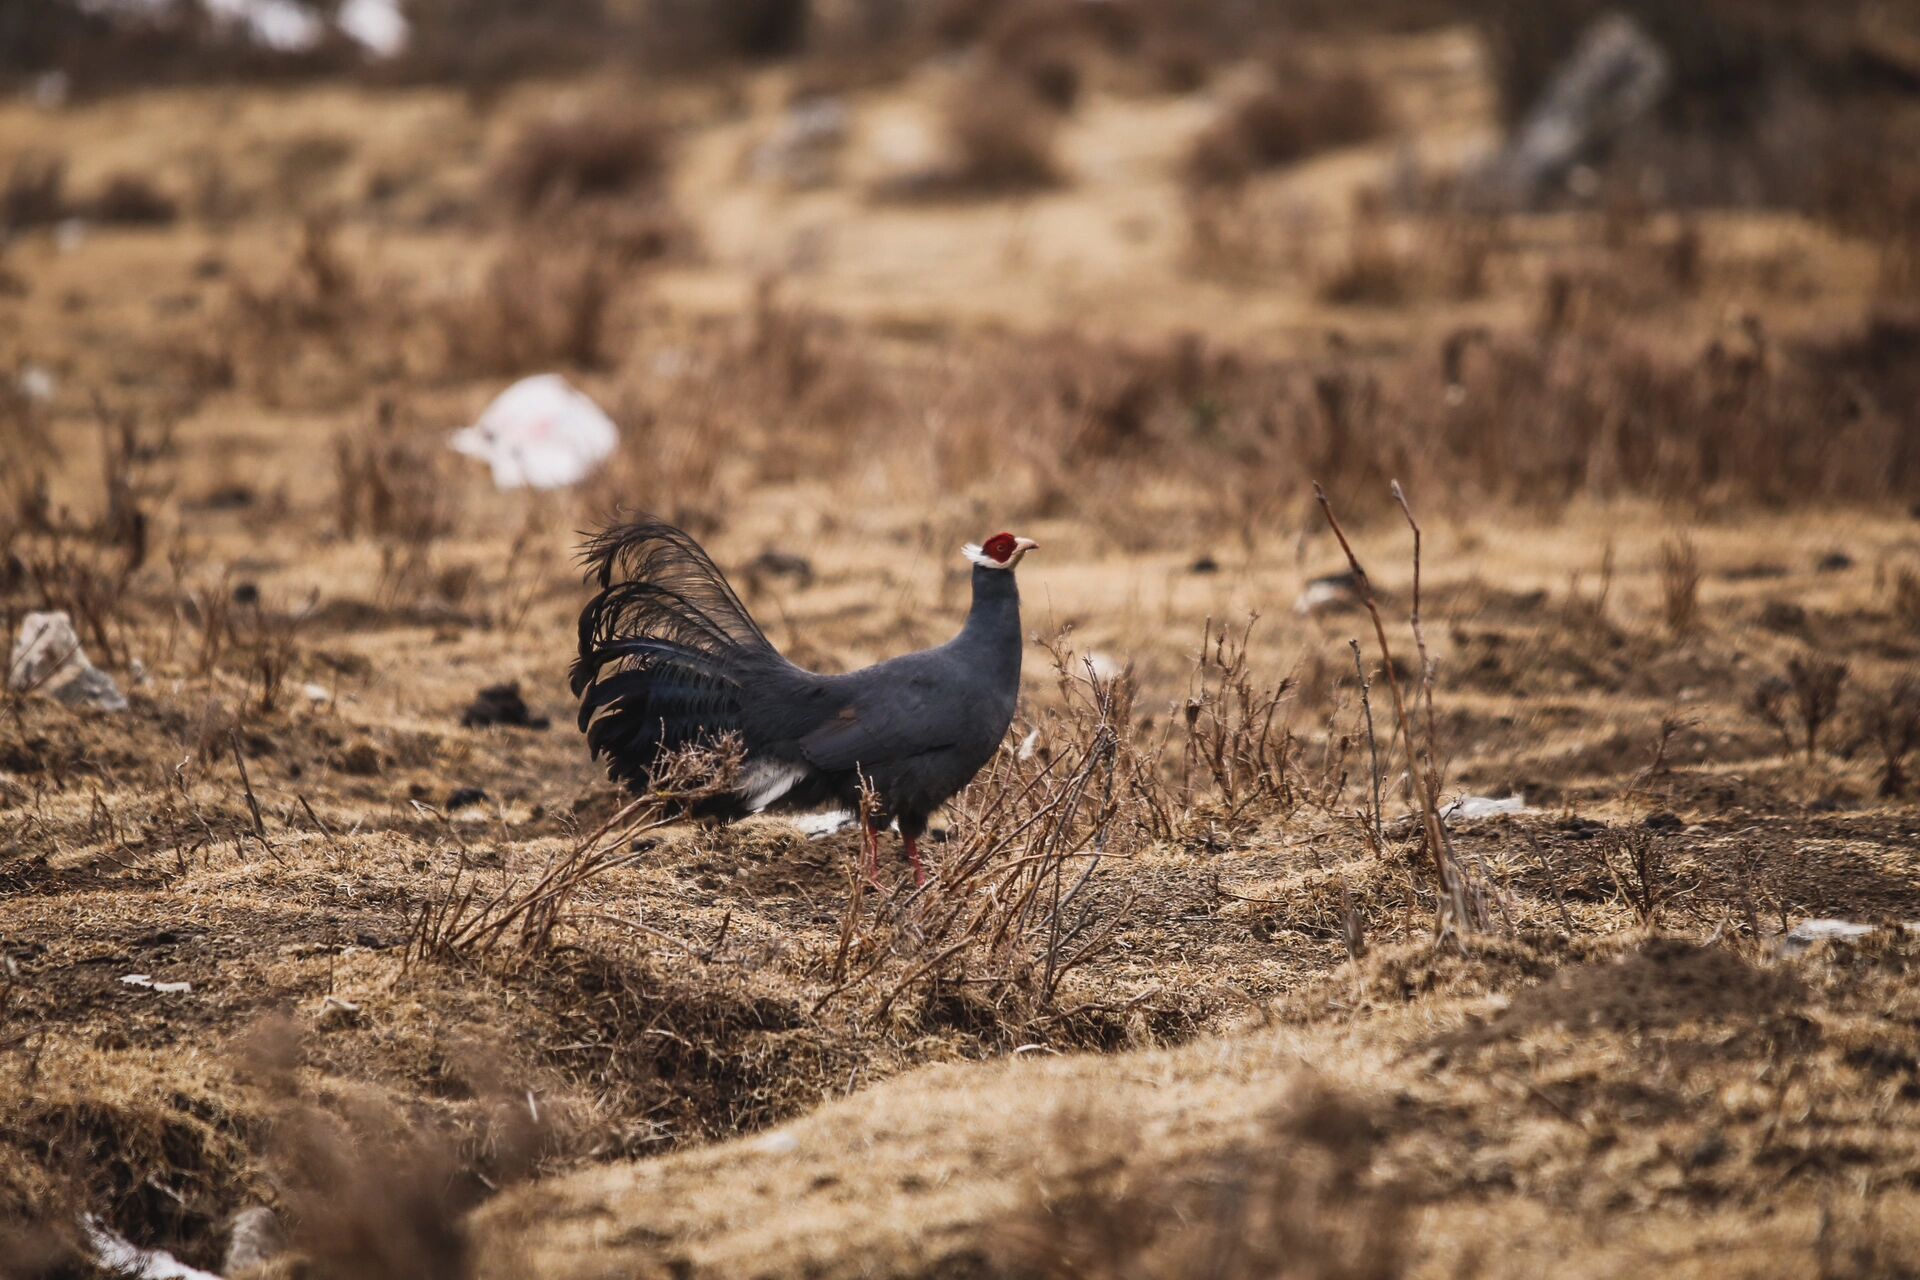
1679,586
318,332
607,153
1888,720
1638,861
393,490
468,920
1013,908
385,487
35,192
82,564
368,1196
1300,112
1373,271
1237,736
1000,142
1799,704
1002,138
538,307
1299,1203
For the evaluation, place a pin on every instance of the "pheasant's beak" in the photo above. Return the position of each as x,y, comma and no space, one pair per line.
1023,545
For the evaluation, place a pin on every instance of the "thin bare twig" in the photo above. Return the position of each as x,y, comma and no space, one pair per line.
1373,749
1429,809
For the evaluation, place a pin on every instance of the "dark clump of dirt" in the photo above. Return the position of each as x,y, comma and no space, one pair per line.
463,797
501,704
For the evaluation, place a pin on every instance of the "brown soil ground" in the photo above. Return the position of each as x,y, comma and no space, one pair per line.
1273,1063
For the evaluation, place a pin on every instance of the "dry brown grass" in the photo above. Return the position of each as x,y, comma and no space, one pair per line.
1002,137
1889,722
1799,704
1226,1159
467,922
1374,271
1015,907
385,488
1679,585
539,306
613,151
1301,111
369,1198
35,192
1295,1202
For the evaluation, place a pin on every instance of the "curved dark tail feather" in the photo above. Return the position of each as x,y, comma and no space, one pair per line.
664,648
662,577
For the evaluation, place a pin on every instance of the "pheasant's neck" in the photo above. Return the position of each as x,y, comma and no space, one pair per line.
993,624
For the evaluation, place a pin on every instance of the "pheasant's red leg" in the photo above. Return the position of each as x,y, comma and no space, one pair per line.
913,852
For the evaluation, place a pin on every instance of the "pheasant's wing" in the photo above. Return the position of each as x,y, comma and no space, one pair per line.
888,721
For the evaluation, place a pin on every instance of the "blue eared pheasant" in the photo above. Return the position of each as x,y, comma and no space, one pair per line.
670,658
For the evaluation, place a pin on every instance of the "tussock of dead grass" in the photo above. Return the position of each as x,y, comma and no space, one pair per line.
1002,138
1294,1202
999,128
35,192
605,153
1303,109
537,308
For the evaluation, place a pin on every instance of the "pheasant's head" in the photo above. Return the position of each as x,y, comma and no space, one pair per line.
1001,551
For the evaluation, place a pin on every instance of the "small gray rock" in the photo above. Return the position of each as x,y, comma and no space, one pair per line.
1613,77
47,658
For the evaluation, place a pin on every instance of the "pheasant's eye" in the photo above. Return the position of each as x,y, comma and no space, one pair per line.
999,547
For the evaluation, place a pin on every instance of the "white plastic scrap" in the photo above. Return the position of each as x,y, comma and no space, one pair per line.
1470,808
777,1143
540,433
284,26
166,988
1808,932
47,657
114,1254
377,26
36,383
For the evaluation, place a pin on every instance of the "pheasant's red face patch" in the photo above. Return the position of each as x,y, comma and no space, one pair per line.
999,547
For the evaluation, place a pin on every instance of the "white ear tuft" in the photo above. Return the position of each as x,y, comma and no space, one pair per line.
973,552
